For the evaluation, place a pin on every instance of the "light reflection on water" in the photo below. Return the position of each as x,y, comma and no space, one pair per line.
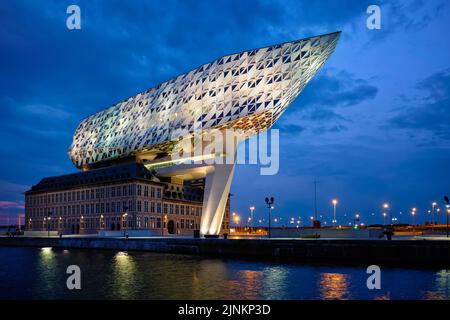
34,273
334,286
124,275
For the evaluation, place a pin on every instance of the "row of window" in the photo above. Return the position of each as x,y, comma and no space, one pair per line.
116,207
108,223
96,193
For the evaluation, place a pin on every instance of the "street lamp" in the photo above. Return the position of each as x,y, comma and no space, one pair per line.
356,220
102,224
125,221
269,202
334,202
447,206
413,213
49,217
384,218
236,219
433,205
252,208
386,208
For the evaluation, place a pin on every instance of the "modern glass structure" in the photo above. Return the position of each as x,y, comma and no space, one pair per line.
247,91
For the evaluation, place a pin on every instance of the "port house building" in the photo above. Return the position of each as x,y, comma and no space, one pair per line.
129,178
121,197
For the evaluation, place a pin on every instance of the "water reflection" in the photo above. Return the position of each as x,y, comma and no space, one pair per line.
146,275
124,275
47,264
334,286
209,278
275,281
441,288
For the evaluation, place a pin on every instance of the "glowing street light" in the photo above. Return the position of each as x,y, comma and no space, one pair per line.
433,206
447,206
269,202
252,208
386,208
334,202
413,213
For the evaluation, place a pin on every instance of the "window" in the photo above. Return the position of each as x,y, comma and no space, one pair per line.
152,192
139,190
138,221
152,207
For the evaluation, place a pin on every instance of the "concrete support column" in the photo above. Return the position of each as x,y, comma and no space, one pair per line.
217,187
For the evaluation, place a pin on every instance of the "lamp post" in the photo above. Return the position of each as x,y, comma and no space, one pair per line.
269,202
386,208
384,218
334,202
413,213
356,220
49,217
433,205
236,219
252,208
125,220
447,206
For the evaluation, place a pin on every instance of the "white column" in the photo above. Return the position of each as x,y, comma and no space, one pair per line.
217,188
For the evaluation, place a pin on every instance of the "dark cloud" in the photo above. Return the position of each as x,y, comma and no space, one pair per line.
405,16
431,112
337,88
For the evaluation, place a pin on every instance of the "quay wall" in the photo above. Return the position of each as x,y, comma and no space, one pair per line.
411,253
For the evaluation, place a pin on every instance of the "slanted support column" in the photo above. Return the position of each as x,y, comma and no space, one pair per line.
217,187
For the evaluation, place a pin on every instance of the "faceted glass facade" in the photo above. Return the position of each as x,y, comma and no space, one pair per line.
247,90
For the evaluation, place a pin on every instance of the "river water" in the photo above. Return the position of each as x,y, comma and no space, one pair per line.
40,273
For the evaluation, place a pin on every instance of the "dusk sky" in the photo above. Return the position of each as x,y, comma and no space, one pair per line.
371,127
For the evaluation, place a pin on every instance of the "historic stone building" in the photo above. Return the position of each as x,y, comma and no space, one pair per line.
122,197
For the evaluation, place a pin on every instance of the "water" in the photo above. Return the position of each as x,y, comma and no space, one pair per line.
40,273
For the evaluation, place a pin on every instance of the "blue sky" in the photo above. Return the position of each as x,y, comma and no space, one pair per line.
372,126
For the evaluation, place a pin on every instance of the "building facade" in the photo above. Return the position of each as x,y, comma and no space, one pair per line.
125,197
245,92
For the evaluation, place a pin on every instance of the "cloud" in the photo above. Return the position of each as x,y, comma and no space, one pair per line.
46,111
336,88
11,204
430,111
406,16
